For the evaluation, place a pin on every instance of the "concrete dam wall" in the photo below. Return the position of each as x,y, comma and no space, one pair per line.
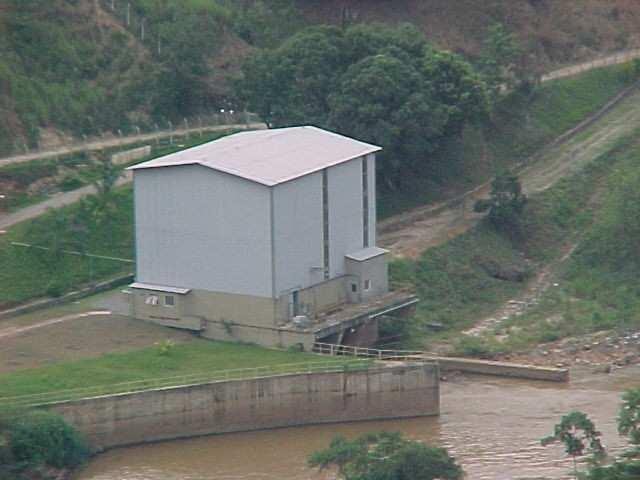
380,392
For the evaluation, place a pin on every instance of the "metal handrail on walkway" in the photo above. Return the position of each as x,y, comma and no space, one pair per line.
183,380
372,353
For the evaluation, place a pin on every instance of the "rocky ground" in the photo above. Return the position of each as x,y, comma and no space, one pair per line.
601,352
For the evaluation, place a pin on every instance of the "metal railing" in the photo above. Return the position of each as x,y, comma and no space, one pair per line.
364,352
183,380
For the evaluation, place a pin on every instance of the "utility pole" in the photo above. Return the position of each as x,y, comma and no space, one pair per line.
128,14
142,30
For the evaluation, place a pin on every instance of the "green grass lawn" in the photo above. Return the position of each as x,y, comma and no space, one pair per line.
196,357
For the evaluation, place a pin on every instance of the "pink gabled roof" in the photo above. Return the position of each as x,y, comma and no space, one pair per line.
269,157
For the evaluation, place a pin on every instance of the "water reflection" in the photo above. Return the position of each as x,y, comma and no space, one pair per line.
492,426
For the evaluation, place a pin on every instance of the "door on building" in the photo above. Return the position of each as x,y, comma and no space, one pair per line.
295,303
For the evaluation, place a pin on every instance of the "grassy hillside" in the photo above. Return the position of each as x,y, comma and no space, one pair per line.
469,277
551,32
521,124
81,67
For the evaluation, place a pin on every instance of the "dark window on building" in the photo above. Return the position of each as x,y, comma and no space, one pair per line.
169,301
354,287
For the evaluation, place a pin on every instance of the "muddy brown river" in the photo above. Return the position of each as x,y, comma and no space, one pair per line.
491,425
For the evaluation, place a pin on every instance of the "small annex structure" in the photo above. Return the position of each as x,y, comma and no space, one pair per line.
266,236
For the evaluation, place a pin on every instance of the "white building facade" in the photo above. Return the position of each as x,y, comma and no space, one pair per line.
240,236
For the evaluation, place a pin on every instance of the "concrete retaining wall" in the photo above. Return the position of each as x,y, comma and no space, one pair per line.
288,400
501,369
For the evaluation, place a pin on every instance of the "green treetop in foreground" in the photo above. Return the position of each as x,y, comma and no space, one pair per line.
386,456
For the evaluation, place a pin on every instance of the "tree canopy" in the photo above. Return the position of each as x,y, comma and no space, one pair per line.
380,84
386,456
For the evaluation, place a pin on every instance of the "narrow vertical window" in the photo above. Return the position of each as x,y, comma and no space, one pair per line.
325,223
365,202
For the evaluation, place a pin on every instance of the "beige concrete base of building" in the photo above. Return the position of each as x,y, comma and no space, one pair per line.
242,318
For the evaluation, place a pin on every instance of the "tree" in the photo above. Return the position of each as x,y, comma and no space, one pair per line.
629,418
104,179
506,203
455,84
291,84
384,100
628,466
380,84
579,436
500,60
386,456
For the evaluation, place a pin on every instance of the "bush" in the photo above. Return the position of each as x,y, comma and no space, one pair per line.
474,347
41,437
70,182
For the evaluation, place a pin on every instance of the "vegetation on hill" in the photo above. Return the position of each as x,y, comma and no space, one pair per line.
467,278
520,124
81,67
382,85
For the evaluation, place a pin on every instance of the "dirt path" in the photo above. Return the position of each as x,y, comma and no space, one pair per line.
615,59
409,234
117,141
14,331
57,201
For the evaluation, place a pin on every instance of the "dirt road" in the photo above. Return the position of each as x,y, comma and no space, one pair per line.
56,201
409,234
118,141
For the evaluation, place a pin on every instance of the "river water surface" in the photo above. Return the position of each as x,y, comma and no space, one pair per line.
491,425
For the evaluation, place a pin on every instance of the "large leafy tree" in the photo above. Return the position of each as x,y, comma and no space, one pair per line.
383,85
291,84
383,99
386,456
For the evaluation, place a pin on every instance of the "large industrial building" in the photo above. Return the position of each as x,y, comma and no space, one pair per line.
266,236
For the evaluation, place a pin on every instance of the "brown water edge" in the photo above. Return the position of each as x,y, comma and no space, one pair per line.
492,426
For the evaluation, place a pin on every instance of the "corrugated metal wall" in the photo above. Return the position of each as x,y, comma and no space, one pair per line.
202,229
345,213
198,228
298,233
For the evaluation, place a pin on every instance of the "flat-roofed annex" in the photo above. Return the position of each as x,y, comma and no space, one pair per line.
269,157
